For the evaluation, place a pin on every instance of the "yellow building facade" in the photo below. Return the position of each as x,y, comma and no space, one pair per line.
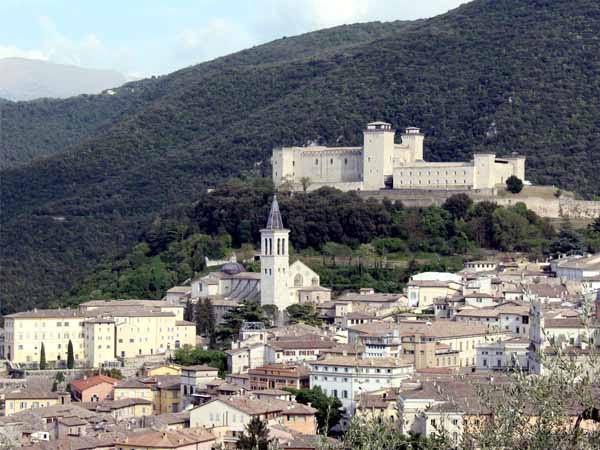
99,335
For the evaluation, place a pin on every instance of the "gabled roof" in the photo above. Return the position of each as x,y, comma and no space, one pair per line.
165,439
131,383
199,368
253,406
86,383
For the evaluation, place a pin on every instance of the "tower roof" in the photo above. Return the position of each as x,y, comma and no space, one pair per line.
274,222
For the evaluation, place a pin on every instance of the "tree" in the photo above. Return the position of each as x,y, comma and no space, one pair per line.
305,182
188,312
458,205
70,356
303,313
514,184
329,411
365,433
189,356
594,227
205,319
255,437
246,311
43,363
568,241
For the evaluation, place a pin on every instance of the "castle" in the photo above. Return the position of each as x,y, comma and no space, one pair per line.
381,163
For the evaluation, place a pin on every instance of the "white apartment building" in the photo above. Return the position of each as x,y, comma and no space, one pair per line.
576,268
510,316
503,355
347,378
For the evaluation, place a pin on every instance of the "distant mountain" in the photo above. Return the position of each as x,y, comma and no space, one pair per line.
85,174
29,79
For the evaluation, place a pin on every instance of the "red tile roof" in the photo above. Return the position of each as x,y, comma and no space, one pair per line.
85,383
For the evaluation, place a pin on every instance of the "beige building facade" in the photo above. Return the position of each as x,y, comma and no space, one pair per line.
382,163
100,333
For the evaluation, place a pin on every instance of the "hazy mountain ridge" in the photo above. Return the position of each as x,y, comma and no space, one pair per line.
28,79
504,75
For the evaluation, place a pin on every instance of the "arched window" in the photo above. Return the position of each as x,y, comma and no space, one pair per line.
315,281
298,281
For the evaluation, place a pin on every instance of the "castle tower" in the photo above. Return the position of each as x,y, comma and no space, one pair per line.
413,138
378,154
274,261
483,165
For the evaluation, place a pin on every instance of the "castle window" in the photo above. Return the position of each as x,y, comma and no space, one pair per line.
346,161
293,163
275,173
331,161
316,162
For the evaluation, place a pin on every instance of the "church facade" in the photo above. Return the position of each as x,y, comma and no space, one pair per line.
279,283
381,163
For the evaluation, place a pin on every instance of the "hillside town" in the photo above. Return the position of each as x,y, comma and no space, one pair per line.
105,375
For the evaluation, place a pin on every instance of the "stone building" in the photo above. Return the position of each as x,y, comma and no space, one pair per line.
382,163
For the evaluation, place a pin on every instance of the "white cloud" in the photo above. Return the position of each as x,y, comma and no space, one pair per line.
14,52
86,51
218,37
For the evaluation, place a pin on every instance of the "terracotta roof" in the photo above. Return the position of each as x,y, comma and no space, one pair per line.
31,394
131,383
254,406
46,313
289,344
377,298
111,405
130,303
570,322
85,383
165,439
349,361
200,368
286,370
179,289
438,329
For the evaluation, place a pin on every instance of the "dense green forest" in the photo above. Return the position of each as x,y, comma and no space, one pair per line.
502,75
351,242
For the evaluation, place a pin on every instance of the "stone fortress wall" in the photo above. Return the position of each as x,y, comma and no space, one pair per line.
384,168
553,208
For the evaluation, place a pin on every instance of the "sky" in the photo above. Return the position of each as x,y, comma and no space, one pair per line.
140,38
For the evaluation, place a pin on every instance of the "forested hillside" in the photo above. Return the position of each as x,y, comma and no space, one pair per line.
344,237
501,75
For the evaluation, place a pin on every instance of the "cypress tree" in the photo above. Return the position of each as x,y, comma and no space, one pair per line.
70,356
43,364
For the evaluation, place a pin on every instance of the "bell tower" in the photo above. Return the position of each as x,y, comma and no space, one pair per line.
274,261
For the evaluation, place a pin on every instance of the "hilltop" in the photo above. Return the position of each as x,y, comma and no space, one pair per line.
28,79
502,75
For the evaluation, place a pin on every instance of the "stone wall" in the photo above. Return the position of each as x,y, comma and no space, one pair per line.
553,208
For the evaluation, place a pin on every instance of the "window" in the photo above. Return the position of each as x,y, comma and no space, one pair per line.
331,161
316,162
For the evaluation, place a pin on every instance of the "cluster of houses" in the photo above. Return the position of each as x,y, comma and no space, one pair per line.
414,357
